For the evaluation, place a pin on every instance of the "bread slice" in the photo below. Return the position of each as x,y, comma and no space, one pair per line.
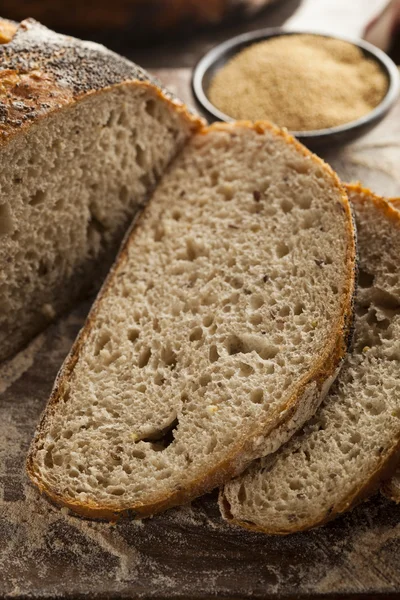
216,334
84,136
391,487
353,441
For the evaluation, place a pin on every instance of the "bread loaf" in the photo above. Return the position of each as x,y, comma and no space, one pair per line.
353,441
84,136
218,331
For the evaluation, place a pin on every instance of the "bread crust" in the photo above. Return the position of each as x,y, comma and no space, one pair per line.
246,449
42,72
387,462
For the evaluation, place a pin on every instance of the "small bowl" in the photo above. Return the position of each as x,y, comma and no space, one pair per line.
216,58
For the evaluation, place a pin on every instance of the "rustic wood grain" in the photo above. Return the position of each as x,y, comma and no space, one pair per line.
188,552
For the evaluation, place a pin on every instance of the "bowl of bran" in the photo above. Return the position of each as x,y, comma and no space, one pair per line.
323,89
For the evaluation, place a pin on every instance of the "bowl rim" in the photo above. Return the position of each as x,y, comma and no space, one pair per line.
212,56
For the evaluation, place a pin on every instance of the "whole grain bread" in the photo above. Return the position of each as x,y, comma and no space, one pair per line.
84,136
391,487
353,441
218,331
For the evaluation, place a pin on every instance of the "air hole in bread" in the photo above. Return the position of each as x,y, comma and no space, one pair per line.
196,334
213,353
43,269
284,311
111,119
286,205
386,302
194,249
209,299
176,215
137,454
37,198
234,345
162,438
355,437
159,379
257,396
140,156
304,202
256,319
236,283
282,250
245,370
169,357
150,107
102,340
298,308
204,380
242,493
256,301
6,220
48,459
123,120
365,279
144,357
208,320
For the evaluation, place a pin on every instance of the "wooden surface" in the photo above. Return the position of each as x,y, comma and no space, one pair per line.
188,552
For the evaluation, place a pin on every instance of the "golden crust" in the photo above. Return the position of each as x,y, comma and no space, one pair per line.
245,450
387,462
7,30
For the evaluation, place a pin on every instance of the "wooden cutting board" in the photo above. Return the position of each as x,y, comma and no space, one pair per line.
188,552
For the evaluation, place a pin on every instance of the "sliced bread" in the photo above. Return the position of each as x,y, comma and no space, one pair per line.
84,136
216,334
353,441
391,488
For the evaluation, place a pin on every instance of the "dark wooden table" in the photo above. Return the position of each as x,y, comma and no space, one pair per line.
188,552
